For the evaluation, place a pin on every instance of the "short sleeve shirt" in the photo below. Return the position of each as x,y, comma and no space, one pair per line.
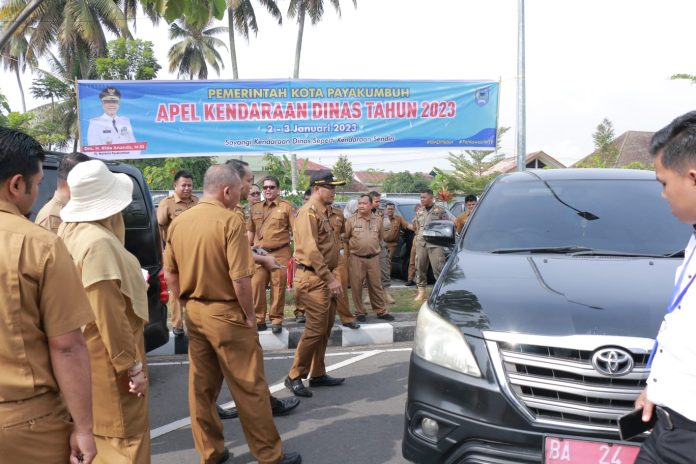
207,246
397,223
364,235
171,207
271,223
41,295
48,217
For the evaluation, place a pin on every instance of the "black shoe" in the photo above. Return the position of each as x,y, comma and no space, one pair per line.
410,283
261,327
227,413
326,381
386,317
178,332
224,457
352,325
180,343
300,319
291,458
284,406
297,387
276,328
361,317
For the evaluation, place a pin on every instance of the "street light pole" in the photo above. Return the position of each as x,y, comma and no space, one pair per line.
521,98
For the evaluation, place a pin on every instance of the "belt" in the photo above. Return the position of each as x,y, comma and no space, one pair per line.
671,419
367,256
271,250
304,268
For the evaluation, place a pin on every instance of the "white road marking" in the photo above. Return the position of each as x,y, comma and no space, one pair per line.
185,422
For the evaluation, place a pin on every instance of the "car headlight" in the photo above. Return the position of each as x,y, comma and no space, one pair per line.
439,342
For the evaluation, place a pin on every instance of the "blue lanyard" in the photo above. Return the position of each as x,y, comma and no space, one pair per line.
676,298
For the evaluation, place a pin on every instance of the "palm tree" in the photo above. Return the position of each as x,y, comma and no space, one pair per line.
15,57
153,10
315,10
196,51
241,16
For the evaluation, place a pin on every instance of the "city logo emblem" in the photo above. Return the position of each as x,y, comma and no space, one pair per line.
482,96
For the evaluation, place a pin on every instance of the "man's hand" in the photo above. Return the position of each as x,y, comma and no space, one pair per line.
138,384
335,289
82,447
642,402
268,262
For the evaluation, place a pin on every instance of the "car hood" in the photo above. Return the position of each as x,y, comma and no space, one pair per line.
555,295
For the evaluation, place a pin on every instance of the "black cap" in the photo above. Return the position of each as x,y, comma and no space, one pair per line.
324,178
110,94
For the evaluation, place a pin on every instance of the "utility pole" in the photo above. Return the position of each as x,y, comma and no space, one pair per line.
521,98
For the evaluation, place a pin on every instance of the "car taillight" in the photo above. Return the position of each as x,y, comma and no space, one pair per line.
164,290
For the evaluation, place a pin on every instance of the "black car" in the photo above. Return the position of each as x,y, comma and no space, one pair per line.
142,239
536,336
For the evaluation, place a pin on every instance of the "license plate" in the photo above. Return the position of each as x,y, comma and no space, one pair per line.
571,451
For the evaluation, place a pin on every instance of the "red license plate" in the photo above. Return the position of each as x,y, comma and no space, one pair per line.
570,451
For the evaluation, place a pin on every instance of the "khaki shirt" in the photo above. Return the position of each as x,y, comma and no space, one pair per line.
208,248
41,296
48,217
391,236
315,242
338,224
364,235
461,220
171,207
271,223
424,217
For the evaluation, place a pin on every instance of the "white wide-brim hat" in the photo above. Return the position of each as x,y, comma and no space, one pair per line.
96,193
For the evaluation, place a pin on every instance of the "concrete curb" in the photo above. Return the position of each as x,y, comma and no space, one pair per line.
372,332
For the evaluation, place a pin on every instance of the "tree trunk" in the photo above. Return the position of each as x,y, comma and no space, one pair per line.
298,47
21,89
293,172
233,51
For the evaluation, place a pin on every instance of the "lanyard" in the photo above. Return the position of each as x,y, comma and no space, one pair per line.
676,298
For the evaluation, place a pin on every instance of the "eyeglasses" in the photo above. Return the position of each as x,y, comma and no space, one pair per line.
255,194
269,187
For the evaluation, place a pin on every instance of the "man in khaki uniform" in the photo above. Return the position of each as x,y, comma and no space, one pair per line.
168,209
316,287
94,232
338,224
253,198
223,342
299,309
364,233
412,258
48,217
391,236
45,394
270,228
427,254
469,205
384,259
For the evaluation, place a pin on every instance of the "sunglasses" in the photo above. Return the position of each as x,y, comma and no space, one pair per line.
255,194
269,187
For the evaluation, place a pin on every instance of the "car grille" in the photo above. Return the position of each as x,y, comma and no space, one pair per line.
553,381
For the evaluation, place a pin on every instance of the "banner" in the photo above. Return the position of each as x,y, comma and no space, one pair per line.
153,119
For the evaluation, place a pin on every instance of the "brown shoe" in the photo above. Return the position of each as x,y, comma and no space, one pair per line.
421,295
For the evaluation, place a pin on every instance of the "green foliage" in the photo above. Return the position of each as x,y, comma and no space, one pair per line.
606,152
196,51
639,165
688,77
128,59
159,172
196,12
404,182
343,169
444,180
280,167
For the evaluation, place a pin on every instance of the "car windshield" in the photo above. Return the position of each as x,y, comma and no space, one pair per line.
407,211
581,217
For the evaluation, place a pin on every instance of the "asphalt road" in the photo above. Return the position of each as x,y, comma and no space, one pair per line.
358,422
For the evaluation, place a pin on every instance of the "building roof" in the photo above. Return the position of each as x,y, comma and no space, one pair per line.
632,145
309,166
371,178
532,160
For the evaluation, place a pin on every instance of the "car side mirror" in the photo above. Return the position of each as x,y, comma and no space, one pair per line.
440,233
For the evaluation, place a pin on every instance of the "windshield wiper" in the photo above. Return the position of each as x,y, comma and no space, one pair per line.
676,254
629,254
556,250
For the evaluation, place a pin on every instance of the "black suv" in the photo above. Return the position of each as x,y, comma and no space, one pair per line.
142,239
536,336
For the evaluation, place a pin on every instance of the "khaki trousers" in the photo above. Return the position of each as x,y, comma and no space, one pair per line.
222,346
342,307
412,263
435,256
385,266
177,313
367,269
35,430
131,450
278,281
320,311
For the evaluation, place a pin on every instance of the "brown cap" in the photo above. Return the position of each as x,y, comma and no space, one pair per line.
324,178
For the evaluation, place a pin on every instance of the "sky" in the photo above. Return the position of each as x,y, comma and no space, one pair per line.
585,61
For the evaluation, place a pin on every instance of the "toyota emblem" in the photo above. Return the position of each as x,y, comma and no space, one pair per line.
613,362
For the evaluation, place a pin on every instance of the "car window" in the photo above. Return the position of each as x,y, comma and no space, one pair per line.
620,215
136,216
46,190
457,209
407,211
